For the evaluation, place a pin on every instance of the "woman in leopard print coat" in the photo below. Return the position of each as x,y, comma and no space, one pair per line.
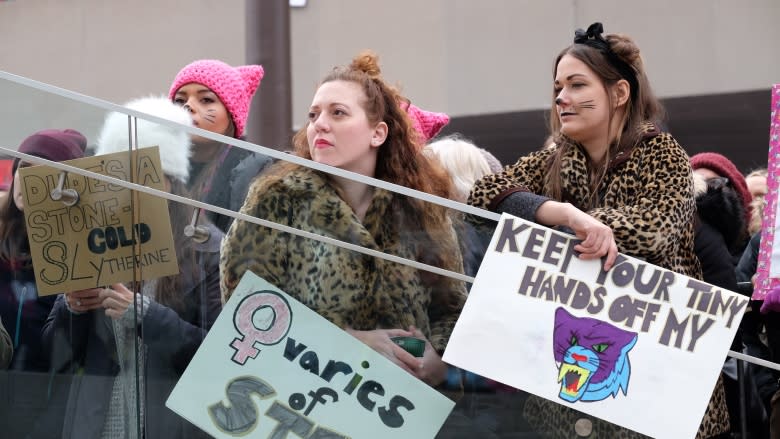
645,196
356,123
610,159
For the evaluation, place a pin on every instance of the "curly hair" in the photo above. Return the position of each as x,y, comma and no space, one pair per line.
399,160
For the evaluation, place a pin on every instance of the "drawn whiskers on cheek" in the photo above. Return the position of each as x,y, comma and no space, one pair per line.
209,118
589,105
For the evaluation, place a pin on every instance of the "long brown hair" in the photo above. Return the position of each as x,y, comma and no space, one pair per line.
14,247
641,108
399,159
169,289
202,184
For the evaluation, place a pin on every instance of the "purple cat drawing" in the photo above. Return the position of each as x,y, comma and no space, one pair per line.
592,357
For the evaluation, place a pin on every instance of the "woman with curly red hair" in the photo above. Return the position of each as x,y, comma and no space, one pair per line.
355,123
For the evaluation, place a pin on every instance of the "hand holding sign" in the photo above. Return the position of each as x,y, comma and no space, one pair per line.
432,370
598,240
116,300
380,341
84,300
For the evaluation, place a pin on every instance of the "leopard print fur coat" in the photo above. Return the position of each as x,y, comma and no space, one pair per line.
646,196
348,288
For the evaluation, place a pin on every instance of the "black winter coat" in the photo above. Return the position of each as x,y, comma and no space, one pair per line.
230,183
26,387
23,314
170,339
718,235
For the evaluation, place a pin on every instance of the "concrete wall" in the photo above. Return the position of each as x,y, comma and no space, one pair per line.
112,50
116,50
471,57
463,57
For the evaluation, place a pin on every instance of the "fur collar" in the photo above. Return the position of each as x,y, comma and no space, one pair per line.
311,190
648,130
575,164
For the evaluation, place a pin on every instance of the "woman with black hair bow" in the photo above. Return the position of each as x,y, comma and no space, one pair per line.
611,159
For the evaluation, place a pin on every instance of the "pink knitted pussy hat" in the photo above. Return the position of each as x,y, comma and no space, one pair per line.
427,123
235,86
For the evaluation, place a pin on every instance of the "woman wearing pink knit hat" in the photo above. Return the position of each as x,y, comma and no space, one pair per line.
218,97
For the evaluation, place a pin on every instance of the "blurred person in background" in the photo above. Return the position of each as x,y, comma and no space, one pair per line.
102,326
27,390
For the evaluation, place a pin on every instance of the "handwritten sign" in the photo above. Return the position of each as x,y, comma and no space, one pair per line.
270,366
635,339
768,269
94,242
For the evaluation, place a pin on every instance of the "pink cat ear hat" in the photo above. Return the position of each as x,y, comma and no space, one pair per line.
427,123
235,86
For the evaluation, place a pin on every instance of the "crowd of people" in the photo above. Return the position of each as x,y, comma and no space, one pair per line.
609,174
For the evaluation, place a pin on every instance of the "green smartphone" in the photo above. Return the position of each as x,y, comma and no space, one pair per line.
414,346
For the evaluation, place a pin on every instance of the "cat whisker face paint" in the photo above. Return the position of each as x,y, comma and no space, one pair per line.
207,110
210,116
585,105
592,357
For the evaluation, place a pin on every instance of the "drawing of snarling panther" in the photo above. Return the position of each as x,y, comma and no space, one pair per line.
592,356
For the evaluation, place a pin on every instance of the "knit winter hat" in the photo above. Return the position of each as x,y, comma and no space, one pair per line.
724,167
427,123
174,142
235,86
493,162
55,145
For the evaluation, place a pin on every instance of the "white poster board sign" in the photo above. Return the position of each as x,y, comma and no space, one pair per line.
270,366
638,346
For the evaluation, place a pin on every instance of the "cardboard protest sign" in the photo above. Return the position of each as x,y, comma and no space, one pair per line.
768,270
93,242
270,366
638,346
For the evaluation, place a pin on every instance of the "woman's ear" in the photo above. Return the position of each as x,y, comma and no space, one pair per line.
380,135
622,91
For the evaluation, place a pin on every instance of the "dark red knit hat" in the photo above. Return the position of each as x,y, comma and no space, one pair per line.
55,145
722,166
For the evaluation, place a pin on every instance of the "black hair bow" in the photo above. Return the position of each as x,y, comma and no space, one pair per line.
592,37
593,33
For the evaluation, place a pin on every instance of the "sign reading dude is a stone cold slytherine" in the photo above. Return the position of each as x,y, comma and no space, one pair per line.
638,346
93,242
272,368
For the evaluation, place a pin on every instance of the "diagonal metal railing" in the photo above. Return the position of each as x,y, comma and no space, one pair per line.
444,202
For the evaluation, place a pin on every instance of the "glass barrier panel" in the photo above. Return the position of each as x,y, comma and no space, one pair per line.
56,368
130,357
